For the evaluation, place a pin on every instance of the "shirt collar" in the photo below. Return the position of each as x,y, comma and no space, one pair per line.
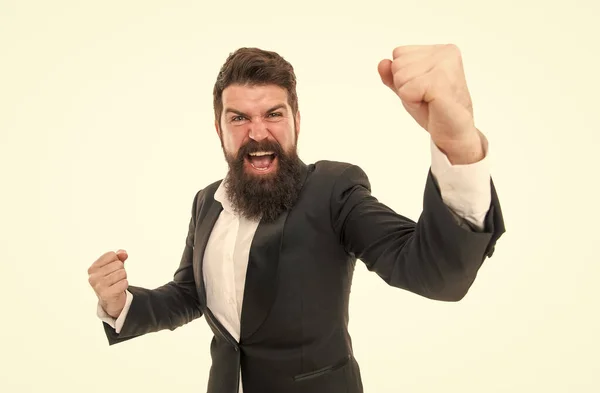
222,198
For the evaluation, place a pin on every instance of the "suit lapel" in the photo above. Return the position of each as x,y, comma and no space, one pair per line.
259,290
261,275
206,221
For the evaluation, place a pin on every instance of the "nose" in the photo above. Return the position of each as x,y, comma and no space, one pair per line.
258,131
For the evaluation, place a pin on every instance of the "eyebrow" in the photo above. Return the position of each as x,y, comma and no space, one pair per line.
274,108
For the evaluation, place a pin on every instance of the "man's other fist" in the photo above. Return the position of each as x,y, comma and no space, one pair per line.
108,278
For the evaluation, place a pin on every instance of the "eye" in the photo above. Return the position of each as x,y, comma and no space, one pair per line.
275,114
237,118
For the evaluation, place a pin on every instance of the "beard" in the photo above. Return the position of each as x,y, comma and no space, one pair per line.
263,197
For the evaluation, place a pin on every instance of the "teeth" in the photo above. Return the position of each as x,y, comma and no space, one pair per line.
262,153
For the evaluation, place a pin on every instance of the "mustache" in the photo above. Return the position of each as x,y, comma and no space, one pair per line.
265,145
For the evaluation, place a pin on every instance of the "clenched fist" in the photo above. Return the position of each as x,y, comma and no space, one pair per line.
431,83
108,278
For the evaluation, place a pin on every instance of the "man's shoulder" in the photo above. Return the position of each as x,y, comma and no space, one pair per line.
330,167
337,174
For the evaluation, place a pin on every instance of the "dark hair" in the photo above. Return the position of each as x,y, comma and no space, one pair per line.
254,67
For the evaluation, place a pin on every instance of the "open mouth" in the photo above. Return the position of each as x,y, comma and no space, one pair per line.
262,161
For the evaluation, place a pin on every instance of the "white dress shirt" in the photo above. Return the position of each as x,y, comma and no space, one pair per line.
465,189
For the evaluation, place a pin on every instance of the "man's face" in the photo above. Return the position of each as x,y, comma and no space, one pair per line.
257,121
258,135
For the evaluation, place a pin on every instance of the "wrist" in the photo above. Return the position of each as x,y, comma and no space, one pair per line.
466,150
113,309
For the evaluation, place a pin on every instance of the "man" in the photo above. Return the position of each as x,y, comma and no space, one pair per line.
271,249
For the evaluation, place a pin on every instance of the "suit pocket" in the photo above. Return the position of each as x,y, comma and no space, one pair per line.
323,371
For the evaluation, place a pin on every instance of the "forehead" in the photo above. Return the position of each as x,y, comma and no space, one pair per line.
248,97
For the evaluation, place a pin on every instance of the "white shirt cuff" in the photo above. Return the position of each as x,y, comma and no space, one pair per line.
117,323
465,189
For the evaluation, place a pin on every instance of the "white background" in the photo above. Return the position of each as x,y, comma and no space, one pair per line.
106,134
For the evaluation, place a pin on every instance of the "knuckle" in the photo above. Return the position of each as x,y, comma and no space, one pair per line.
453,49
397,51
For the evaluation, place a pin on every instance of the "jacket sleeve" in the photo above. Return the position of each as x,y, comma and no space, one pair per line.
437,257
166,307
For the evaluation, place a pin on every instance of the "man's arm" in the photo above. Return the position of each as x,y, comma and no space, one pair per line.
167,307
437,257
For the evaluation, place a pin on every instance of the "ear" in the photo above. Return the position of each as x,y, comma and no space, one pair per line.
217,128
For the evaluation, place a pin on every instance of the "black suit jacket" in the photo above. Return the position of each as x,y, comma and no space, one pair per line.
294,327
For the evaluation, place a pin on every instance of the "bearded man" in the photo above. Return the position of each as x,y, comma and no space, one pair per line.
271,248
